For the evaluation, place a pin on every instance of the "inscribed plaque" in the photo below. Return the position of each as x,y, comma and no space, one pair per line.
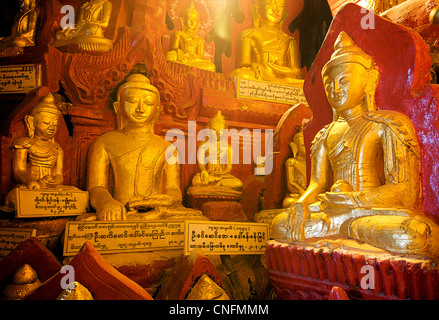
124,236
51,203
268,91
19,78
218,237
12,237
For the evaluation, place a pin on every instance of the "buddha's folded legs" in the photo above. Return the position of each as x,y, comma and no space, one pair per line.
398,234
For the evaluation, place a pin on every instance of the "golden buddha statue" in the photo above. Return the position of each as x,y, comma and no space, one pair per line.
295,169
37,160
93,20
215,176
23,27
365,171
267,53
78,292
133,157
24,281
186,46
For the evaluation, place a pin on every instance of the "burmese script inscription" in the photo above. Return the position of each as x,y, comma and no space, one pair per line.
124,236
51,203
12,237
19,78
213,237
268,91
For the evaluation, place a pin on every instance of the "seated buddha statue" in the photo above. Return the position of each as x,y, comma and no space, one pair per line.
365,170
88,34
23,27
295,169
215,164
265,52
37,159
129,177
187,47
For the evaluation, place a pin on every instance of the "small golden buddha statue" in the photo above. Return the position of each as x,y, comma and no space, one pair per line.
295,171
24,281
365,171
37,160
78,292
215,164
23,28
134,158
265,52
207,289
186,46
93,20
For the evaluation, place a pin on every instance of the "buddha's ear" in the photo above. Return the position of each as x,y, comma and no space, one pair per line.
29,121
116,106
372,81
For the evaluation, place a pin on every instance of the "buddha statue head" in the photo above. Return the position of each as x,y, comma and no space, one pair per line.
217,123
271,10
43,119
190,21
349,77
138,103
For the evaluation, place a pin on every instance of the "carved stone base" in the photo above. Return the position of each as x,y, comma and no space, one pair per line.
305,272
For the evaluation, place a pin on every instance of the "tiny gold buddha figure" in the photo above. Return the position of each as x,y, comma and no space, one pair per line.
37,160
266,53
24,281
365,168
187,47
215,164
145,185
88,34
295,171
23,28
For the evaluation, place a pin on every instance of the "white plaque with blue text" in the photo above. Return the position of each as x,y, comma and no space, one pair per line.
124,236
218,237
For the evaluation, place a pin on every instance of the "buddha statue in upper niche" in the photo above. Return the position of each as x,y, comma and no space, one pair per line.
265,52
88,33
129,176
365,167
23,28
187,47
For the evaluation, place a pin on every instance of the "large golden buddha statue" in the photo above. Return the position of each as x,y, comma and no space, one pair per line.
265,52
37,159
23,28
145,186
88,34
365,169
187,47
215,164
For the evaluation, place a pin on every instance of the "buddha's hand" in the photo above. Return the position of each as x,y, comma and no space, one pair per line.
34,184
296,221
159,200
112,210
341,199
204,177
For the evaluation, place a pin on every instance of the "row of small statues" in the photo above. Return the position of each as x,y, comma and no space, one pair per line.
265,51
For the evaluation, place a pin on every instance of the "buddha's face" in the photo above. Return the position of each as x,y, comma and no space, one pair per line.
46,124
344,85
140,105
191,19
217,127
272,10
